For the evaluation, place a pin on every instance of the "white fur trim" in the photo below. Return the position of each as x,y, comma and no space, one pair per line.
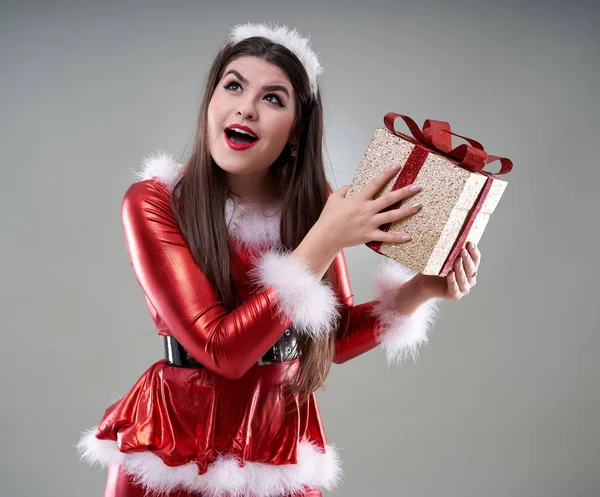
308,301
400,336
252,224
162,167
291,39
314,469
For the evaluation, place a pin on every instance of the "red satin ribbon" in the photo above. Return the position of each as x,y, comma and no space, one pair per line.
436,136
466,227
406,177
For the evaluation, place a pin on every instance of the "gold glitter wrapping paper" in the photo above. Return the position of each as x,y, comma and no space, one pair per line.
448,194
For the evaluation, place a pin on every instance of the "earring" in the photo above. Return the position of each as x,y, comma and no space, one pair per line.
293,151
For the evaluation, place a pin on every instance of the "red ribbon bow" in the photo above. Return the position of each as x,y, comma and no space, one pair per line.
436,135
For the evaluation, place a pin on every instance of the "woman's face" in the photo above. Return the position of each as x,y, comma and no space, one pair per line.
250,116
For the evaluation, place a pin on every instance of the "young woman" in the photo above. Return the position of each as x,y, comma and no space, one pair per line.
239,255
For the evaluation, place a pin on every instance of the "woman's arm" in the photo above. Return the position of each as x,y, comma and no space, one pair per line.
228,343
399,320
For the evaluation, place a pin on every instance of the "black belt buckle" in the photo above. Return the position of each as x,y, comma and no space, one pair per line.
284,349
271,356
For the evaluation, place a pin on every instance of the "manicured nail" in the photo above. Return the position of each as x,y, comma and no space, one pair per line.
463,252
415,207
404,238
395,167
414,188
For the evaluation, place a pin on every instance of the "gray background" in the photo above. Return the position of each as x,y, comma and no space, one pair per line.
505,400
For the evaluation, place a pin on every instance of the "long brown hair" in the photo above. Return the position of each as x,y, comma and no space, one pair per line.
200,194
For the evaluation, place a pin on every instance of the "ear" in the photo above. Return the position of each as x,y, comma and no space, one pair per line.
292,144
293,137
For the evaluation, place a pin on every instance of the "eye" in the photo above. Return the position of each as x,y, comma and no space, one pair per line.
233,86
271,97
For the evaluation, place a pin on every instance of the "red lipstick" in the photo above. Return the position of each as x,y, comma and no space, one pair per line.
244,137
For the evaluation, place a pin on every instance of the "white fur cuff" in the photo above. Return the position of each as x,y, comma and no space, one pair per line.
400,336
309,302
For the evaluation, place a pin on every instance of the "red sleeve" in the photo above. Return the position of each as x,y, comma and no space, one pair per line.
364,326
228,343
356,331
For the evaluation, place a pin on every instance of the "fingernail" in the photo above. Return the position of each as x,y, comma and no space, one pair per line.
415,207
404,238
395,167
414,188
463,252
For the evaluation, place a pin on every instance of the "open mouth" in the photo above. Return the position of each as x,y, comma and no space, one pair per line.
240,137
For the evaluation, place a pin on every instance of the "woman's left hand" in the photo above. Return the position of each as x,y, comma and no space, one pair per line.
459,281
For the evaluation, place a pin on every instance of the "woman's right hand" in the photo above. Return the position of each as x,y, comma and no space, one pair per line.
347,222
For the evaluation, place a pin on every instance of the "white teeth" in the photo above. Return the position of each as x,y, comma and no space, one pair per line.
243,132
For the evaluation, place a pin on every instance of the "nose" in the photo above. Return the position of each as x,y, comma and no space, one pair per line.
247,114
247,109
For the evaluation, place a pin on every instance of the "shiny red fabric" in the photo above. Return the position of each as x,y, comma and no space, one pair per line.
194,414
183,300
233,405
121,484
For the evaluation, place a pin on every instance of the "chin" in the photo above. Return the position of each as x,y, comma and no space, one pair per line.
239,167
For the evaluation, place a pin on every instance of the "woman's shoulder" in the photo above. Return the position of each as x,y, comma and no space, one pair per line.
160,167
155,181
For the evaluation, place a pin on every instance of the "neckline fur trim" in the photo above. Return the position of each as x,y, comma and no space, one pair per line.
251,224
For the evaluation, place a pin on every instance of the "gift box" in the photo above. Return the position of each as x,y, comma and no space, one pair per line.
458,195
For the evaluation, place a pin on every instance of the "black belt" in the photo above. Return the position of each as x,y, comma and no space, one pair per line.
284,349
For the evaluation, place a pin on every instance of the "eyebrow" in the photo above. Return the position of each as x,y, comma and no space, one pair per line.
266,88
277,88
